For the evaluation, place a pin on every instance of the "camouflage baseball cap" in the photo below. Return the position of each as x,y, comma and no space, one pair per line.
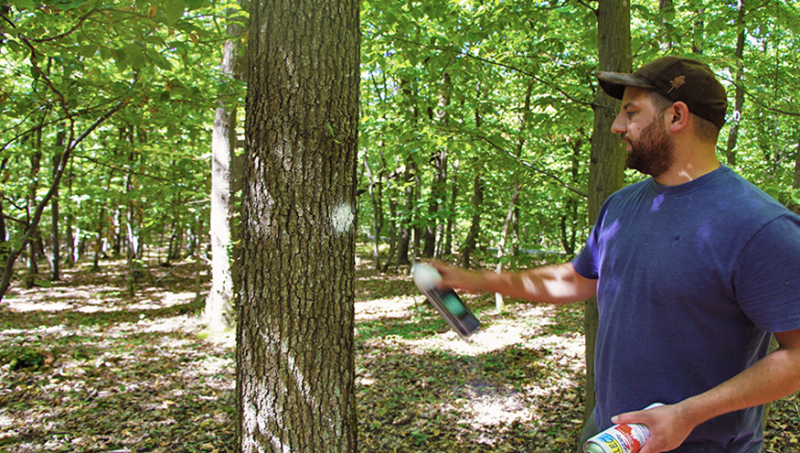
677,79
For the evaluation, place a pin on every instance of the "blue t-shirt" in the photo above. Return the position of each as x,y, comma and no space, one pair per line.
690,280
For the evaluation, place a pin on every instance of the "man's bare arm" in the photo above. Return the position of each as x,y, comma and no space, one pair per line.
557,284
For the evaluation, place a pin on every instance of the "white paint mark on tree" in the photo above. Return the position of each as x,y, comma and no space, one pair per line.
342,218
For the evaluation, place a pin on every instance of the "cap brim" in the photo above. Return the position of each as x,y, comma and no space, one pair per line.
614,83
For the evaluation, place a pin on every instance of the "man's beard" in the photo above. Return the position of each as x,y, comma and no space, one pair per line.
652,154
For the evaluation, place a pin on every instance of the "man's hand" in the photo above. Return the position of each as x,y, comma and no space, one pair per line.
668,426
458,278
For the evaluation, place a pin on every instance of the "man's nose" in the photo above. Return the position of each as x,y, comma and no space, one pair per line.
619,126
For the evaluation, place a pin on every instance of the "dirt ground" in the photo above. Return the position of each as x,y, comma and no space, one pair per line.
88,368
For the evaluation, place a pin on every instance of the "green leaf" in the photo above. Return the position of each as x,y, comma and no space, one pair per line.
88,51
21,5
120,59
773,191
106,53
72,5
173,10
795,196
135,56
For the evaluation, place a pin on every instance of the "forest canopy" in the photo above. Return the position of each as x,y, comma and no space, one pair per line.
108,111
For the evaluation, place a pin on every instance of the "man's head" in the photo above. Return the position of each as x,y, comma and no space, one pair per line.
677,79
658,100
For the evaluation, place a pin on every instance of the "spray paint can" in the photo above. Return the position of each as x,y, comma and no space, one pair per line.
622,438
447,302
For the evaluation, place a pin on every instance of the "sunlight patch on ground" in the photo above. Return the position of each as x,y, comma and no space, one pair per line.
571,348
184,323
214,365
493,410
489,338
393,307
21,305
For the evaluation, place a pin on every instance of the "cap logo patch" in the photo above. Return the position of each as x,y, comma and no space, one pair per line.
677,82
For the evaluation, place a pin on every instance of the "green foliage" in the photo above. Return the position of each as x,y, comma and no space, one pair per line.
67,63
436,76
492,52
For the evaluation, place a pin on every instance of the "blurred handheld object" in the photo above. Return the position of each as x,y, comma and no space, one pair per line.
447,302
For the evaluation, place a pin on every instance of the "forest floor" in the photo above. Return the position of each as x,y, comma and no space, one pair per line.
87,368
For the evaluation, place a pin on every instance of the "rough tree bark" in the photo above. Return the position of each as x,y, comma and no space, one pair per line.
607,164
295,377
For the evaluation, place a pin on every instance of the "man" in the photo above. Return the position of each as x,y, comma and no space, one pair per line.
692,268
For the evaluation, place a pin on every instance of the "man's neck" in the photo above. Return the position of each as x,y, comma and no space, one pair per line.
691,162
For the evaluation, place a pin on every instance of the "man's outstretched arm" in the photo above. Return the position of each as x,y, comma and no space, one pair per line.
556,284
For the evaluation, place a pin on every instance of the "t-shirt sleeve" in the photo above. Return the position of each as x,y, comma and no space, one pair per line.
586,263
766,276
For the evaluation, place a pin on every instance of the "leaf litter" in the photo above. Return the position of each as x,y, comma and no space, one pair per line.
104,372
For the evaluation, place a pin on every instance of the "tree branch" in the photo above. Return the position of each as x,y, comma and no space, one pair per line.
8,270
532,167
502,65
44,77
70,31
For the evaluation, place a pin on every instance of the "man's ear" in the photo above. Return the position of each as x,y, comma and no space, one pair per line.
678,116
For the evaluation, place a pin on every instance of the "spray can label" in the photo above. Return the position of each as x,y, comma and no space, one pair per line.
621,438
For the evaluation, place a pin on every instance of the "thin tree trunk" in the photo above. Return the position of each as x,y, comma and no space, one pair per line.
507,225
666,10
475,226
477,198
736,117
377,215
219,310
71,234
448,233
55,243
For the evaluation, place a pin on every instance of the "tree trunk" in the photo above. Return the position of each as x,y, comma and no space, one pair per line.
71,234
477,199
499,302
733,134
568,235
607,165
447,247
55,243
501,247
435,228
219,315
475,226
33,247
438,192
393,233
666,10
408,212
377,213
295,376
